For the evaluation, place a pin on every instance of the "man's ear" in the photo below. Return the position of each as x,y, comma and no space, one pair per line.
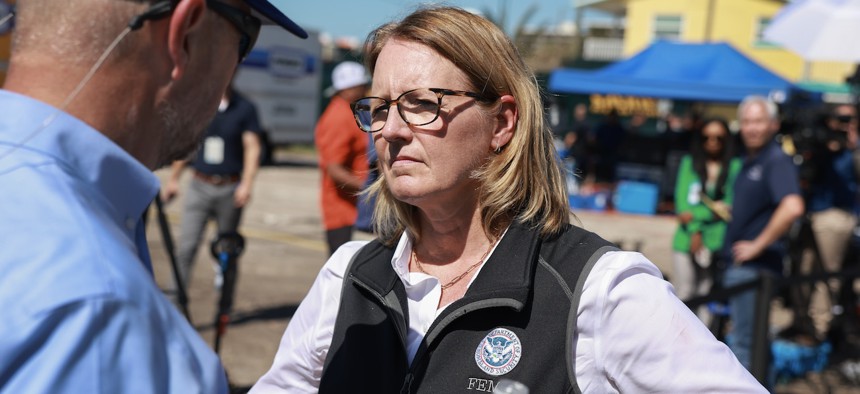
185,20
506,119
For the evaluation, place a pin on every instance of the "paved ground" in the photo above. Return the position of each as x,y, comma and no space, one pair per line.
285,249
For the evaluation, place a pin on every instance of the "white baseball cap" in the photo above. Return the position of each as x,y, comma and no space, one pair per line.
346,75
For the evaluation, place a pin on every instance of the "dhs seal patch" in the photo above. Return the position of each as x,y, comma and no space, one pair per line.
499,352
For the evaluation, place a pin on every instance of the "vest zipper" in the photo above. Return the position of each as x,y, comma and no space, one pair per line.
398,322
407,383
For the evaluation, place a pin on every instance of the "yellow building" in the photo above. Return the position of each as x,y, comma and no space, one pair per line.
738,22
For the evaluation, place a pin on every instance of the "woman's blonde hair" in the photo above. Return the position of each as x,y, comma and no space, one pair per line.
521,182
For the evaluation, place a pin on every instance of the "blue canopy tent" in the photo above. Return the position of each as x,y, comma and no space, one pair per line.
713,72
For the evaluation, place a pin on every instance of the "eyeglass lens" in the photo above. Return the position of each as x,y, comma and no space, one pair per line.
417,107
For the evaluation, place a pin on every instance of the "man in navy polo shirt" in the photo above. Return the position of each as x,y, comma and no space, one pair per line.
767,202
224,169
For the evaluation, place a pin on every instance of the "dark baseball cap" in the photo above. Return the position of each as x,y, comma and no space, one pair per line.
273,14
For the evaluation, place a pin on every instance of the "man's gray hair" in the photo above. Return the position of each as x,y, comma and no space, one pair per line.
768,105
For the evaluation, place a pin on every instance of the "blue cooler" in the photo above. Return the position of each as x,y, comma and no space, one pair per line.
595,201
636,197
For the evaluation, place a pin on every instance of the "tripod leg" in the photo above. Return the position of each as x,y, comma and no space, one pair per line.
804,257
225,303
181,295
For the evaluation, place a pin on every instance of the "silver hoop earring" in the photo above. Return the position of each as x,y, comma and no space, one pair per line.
498,149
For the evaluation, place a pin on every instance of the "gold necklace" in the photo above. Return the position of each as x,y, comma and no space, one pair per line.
458,277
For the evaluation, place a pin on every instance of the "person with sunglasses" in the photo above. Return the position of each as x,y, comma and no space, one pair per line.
477,280
831,197
703,197
98,94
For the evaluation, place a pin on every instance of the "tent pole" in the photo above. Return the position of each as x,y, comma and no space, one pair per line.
807,67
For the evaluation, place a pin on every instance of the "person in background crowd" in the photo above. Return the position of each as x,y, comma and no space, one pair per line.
342,150
366,202
637,124
576,139
767,201
578,145
703,197
224,170
100,93
832,198
477,275
609,137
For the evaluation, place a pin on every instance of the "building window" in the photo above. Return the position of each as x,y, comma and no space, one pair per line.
759,41
667,27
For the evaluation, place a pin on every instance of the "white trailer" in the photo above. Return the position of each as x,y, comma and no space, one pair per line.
282,76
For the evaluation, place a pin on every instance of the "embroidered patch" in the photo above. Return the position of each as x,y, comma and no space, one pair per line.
755,173
499,352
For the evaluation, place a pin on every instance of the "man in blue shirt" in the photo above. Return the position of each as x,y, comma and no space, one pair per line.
98,94
767,202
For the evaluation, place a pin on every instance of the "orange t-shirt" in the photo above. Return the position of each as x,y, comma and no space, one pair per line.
339,140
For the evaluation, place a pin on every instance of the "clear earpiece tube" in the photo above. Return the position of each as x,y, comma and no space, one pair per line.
6,18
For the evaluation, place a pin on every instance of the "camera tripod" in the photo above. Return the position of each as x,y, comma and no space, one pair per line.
226,248
803,245
167,238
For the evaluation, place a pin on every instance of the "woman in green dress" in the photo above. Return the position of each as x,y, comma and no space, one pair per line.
703,197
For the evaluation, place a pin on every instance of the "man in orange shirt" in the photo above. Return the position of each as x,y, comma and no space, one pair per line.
342,150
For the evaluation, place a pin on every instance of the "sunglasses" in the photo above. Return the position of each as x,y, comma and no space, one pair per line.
247,25
718,138
844,119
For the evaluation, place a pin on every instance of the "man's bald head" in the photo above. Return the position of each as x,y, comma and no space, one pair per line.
75,32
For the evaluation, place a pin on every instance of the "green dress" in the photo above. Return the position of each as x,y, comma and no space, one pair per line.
687,199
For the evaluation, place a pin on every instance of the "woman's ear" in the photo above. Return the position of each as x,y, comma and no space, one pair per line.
185,19
506,122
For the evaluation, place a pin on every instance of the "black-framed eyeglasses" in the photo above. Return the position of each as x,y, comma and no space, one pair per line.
417,107
247,25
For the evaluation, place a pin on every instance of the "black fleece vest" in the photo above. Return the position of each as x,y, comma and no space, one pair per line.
516,322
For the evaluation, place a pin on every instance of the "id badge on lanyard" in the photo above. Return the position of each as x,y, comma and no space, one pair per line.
213,150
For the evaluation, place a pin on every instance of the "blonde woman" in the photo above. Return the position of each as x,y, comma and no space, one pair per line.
477,278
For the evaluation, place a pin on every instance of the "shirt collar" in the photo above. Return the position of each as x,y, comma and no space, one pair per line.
400,260
127,185
763,152
511,269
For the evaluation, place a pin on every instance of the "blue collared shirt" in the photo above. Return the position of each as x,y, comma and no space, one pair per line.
766,178
81,312
834,184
